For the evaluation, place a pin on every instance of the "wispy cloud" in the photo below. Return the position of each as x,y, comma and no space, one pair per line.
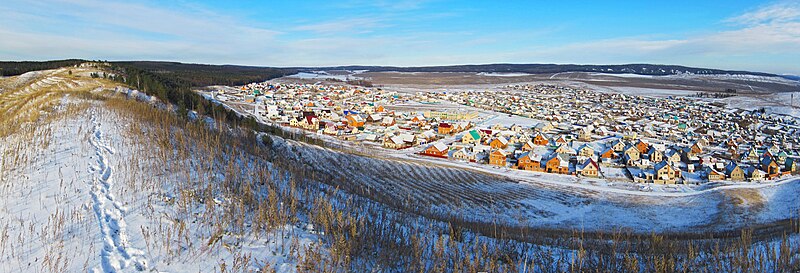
343,26
768,31
122,30
386,5
384,33
774,13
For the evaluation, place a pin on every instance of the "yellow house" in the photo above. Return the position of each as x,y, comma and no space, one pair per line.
757,175
618,145
632,153
734,172
714,175
586,151
664,173
471,137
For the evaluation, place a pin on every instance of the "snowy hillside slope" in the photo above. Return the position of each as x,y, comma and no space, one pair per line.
81,195
449,192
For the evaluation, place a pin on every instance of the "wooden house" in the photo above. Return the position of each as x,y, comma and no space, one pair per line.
714,175
618,145
557,163
445,128
540,140
769,166
499,143
436,150
498,157
665,173
530,162
354,120
642,146
632,153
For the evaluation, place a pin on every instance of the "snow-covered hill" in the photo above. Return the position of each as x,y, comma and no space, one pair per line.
96,178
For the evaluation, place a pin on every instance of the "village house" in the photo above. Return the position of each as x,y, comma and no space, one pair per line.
472,136
655,155
530,162
557,163
618,145
586,151
631,154
387,121
460,154
770,166
714,175
395,142
498,157
540,140
499,143
790,165
672,156
528,146
588,168
608,155
445,128
734,172
755,174
436,150
642,146
665,173
564,148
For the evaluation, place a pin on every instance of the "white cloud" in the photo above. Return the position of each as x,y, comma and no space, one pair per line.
775,13
339,26
766,32
95,29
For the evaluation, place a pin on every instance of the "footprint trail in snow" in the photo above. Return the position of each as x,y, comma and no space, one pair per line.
117,254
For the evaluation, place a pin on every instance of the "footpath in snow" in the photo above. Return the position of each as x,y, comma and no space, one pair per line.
117,253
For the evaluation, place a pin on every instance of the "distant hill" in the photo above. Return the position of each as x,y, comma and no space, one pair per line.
642,69
791,77
204,75
17,68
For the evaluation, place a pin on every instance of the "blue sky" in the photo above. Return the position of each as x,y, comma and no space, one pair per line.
748,35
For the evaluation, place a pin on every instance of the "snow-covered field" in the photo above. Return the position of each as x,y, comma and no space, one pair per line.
776,103
647,92
323,75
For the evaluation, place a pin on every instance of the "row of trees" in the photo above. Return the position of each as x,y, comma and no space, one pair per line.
175,87
17,68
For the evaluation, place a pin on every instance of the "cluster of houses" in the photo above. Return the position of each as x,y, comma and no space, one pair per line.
653,140
573,131
351,113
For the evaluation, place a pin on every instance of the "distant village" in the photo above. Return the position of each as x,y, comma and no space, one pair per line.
572,131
